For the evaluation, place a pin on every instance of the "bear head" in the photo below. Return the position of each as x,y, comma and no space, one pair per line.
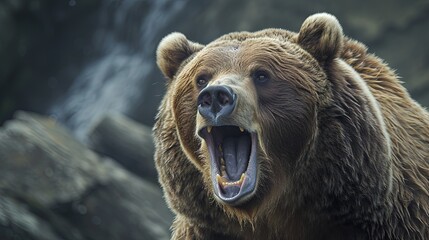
255,112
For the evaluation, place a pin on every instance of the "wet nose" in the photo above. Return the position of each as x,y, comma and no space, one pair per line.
215,102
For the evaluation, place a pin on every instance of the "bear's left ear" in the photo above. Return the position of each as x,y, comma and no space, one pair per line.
172,51
322,36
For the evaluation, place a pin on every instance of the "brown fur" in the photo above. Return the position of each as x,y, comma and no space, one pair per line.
343,149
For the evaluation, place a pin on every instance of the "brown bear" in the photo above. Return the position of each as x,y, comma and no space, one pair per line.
282,135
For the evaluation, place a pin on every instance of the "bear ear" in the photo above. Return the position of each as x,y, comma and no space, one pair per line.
172,51
322,36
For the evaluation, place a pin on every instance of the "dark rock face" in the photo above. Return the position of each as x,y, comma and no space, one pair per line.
53,187
126,141
19,221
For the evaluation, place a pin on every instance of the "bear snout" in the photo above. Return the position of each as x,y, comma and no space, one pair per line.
216,102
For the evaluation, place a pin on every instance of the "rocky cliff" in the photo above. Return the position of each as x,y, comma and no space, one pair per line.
52,187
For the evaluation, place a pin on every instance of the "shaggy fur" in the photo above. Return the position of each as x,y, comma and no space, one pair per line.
343,150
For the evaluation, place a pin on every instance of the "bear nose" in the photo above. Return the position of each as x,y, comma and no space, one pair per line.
215,102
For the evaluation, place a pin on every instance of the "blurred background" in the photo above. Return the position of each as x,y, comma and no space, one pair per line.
80,165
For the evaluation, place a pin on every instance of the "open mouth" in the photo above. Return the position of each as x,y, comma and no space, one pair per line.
233,163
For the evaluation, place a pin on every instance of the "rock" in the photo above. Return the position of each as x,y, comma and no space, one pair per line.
53,187
23,221
127,142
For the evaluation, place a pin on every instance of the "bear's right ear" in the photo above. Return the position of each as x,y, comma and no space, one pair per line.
172,51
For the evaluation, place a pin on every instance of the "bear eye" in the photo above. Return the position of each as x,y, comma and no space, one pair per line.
202,81
261,76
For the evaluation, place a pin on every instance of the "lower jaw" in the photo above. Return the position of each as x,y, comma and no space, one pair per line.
245,193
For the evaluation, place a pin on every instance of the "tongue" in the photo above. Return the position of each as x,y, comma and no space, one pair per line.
236,151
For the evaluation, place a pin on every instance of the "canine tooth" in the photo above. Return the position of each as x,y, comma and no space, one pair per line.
240,181
241,129
220,148
221,180
209,129
241,178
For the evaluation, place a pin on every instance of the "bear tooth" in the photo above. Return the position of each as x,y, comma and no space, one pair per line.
221,180
225,182
241,178
209,129
239,182
222,166
241,129
220,148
